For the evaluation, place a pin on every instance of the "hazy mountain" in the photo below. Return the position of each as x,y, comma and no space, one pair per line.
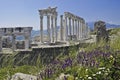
108,25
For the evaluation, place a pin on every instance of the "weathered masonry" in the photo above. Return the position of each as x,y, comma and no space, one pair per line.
51,14
72,27
75,27
14,32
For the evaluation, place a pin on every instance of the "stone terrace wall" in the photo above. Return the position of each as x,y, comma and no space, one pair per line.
41,55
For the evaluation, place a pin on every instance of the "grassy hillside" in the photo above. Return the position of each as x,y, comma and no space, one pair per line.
98,61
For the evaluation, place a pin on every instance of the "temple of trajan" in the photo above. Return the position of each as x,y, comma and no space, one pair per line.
72,28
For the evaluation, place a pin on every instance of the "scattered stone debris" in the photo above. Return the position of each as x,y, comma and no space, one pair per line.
21,76
62,76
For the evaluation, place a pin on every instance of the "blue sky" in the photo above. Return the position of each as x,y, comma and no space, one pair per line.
15,13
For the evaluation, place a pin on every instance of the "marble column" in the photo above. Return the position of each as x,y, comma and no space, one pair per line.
13,43
81,29
73,26
48,28
66,28
52,28
41,29
56,27
70,34
0,43
78,29
61,27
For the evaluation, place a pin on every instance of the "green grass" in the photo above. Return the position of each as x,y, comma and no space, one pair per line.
115,44
114,31
9,71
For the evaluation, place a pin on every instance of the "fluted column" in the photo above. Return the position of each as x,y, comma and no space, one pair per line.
61,25
52,28
56,27
73,26
41,29
70,28
82,29
78,29
48,27
66,28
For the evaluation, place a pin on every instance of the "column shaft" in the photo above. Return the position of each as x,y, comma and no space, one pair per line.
61,24
56,27
48,28
78,30
73,26
41,29
66,28
82,30
70,34
52,28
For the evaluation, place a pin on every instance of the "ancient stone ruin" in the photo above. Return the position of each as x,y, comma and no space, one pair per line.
14,32
101,32
72,27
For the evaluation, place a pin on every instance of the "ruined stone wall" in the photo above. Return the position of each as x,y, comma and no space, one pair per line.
41,55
